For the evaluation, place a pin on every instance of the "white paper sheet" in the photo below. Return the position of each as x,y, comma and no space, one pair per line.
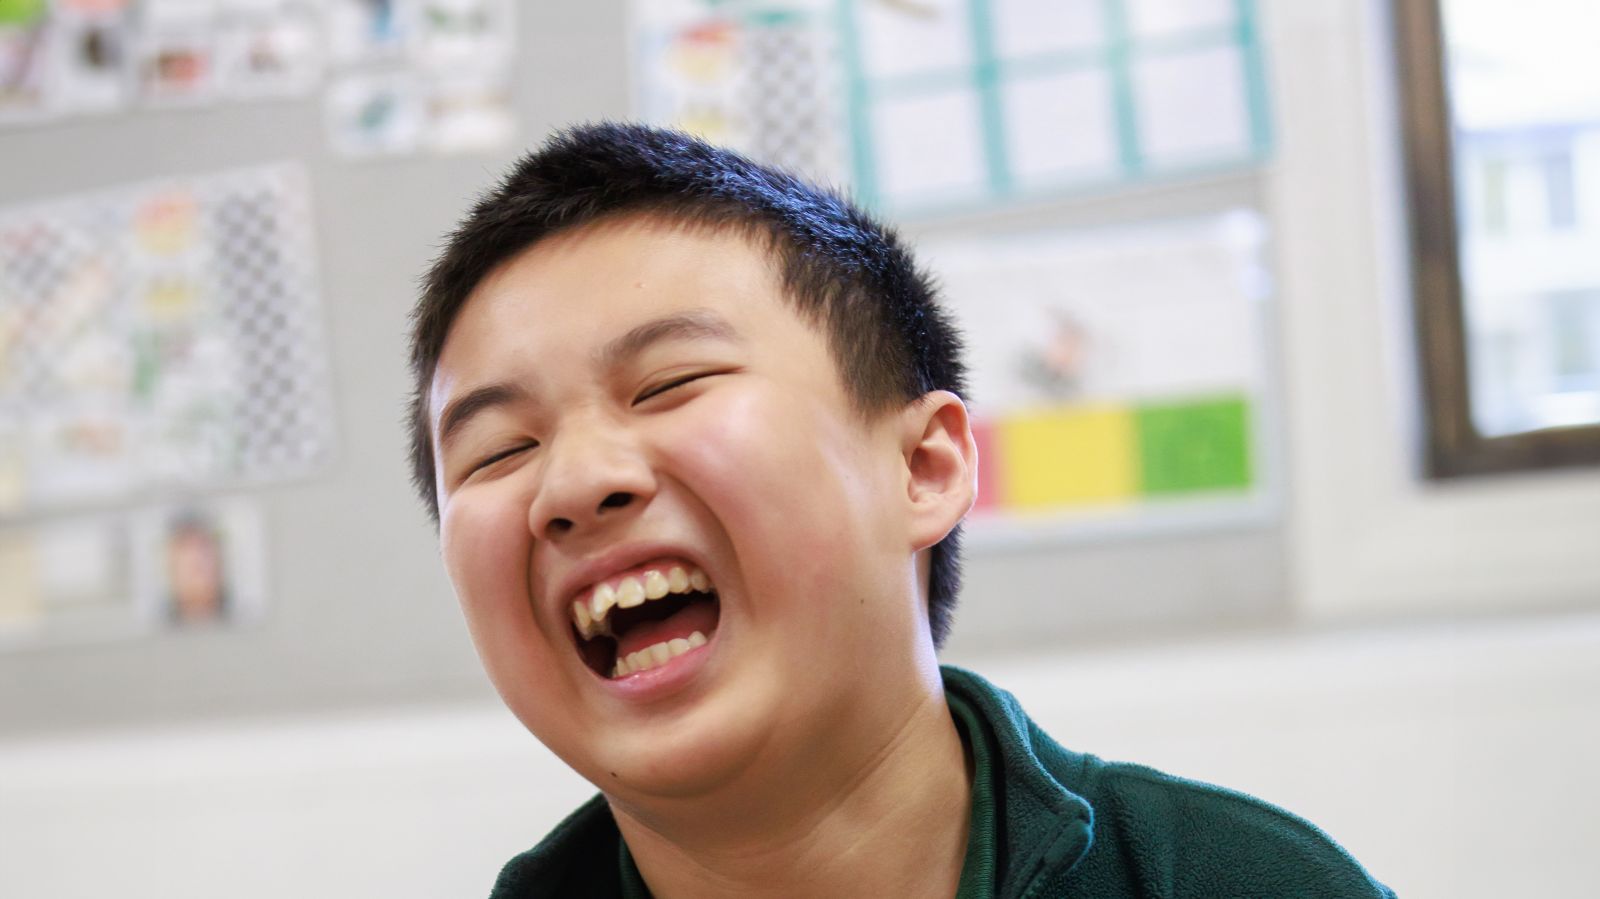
375,113
82,562
1030,27
1191,107
1061,128
1162,18
929,147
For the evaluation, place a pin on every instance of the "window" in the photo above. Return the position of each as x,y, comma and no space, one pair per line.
1502,132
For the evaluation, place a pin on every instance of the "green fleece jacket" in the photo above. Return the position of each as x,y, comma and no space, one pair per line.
1047,823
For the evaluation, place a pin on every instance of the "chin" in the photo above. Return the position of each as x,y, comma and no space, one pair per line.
697,753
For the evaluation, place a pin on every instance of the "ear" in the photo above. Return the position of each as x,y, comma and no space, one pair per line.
941,464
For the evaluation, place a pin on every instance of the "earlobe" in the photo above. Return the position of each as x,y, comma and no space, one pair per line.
941,461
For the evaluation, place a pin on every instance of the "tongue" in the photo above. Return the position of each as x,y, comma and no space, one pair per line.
696,615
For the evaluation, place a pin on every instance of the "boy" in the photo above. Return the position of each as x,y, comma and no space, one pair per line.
693,433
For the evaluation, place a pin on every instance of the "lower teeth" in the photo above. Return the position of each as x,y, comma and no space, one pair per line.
658,654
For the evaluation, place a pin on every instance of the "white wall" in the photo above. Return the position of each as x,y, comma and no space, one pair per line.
1456,763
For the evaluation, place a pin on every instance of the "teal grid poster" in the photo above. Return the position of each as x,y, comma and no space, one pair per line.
972,102
940,105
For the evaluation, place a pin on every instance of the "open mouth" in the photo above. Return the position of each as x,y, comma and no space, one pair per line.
644,619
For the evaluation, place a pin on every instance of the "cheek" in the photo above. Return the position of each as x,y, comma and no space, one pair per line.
486,544
486,547
788,483
747,452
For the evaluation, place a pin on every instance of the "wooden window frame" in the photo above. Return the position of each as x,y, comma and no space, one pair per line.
1454,447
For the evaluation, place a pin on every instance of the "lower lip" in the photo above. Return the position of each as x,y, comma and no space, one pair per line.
663,680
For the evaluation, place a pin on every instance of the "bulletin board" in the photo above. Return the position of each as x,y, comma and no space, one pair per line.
926,106
395,77
157,341
1118,377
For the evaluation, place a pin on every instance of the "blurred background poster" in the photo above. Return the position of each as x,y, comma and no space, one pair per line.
1119,377
88,578
940,105
397,76
154,339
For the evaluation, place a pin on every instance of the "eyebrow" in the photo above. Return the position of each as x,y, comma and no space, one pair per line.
692,324
464,408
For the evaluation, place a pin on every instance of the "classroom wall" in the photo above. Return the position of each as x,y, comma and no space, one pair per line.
358,610
1408,664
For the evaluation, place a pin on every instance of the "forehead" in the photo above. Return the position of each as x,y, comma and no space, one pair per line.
547,309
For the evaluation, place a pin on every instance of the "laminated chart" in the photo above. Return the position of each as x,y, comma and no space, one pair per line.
925,106
1118,377
161,346
158,337
965,102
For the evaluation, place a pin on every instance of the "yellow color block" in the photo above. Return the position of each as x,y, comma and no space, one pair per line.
1067,457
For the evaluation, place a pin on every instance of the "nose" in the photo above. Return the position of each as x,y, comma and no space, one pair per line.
594,472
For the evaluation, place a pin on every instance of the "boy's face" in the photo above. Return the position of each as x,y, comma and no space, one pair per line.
723,440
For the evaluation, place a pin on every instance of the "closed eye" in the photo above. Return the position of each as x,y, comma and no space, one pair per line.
504,454
665,386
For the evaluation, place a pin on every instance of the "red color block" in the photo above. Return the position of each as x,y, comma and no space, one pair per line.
986,437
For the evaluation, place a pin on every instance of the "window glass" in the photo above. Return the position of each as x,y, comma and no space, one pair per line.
1524,85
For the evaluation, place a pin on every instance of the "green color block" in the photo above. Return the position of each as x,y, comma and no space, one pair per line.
1194,445
21,12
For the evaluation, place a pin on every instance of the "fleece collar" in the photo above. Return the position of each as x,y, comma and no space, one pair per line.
1042,829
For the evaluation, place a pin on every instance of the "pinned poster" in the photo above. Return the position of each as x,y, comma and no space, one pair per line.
176,54
66,579
762,78
468,113
1118,378
269,48
929,106
367,31
199,564
93,49
21,608
375,113
421,76
453,33
400,76
124,574
960,105
24,59
158,336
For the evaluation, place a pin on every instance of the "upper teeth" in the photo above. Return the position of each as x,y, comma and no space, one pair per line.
591,613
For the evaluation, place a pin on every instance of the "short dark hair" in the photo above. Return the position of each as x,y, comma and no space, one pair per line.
841,270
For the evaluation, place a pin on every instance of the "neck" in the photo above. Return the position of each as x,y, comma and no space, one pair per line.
887,819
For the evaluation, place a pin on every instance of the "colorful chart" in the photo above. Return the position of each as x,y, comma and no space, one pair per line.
401,76
1117,372
161,353
1053,460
